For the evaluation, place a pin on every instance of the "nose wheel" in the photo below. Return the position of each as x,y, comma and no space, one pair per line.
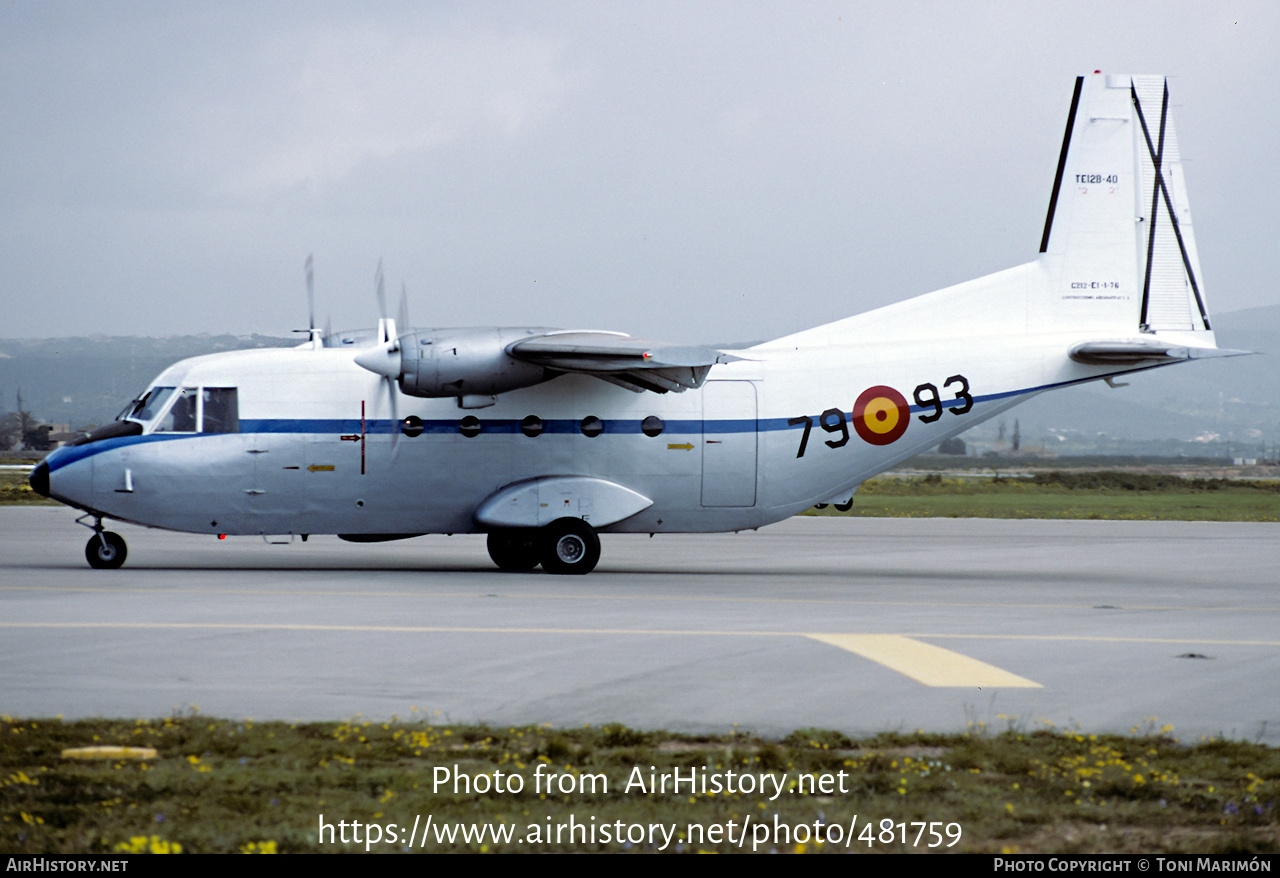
105,550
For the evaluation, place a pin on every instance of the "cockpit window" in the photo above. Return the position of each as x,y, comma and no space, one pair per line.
186,410
221,410
181,417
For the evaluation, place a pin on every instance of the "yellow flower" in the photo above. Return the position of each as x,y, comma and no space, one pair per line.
141,844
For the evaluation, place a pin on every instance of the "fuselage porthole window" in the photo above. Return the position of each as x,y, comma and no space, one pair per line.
592,426
531,426
469,426
652,426
411,426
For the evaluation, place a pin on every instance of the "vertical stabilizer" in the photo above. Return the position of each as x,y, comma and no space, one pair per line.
1118,249
1117,260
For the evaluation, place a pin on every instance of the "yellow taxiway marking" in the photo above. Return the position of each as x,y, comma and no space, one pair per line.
925,663
922,662
164,589
663,632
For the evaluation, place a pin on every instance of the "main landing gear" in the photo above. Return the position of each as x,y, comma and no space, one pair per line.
105,550
566,546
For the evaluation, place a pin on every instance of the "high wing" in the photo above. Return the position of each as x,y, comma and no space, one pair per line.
634,363
475,365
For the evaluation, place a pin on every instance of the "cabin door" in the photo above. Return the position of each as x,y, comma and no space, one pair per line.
728,443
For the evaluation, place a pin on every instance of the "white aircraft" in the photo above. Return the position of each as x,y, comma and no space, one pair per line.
545,438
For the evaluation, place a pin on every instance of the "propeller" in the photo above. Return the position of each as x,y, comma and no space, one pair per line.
402,317
390,347
386,326
313,334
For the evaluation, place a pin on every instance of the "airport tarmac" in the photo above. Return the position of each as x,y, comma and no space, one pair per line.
861,625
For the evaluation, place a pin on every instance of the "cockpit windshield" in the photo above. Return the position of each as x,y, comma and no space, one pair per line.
185,410
146,407
174,410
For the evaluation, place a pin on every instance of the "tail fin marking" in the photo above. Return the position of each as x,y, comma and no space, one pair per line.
1165,303
1062,164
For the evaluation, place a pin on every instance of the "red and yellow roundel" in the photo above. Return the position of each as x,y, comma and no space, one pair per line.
881,415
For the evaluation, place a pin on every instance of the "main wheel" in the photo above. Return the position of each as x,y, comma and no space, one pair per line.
569,545
105,550
514,550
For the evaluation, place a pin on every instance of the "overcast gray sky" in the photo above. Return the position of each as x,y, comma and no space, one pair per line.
688,171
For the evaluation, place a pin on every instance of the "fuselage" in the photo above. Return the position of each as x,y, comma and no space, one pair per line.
321,445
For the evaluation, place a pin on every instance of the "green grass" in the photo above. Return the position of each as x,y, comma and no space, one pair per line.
15,491
224,786
1088,495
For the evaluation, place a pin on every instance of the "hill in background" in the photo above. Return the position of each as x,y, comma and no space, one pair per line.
1231,404
1220,407
88,381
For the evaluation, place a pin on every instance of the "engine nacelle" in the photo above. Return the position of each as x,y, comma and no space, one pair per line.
456,362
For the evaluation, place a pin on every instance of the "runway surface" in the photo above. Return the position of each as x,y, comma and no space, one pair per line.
861,625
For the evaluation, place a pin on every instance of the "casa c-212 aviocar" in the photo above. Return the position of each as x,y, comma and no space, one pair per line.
543,439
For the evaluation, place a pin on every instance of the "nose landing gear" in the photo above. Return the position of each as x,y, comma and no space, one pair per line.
106,550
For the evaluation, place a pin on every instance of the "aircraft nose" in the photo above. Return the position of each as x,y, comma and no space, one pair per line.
39,479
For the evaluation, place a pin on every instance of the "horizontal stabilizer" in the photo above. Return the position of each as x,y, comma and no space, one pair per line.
1133,352
1105,353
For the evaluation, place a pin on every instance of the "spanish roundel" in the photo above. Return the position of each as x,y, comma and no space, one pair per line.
881,415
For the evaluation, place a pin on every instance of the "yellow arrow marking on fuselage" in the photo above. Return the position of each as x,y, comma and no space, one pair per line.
687,446
320,468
